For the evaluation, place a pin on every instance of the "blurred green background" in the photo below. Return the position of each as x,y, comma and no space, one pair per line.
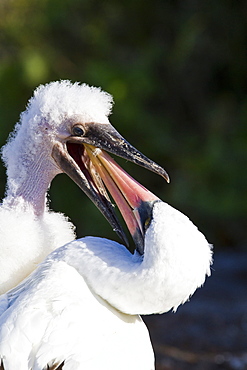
178,74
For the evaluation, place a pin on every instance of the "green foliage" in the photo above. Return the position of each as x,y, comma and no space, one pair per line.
177,70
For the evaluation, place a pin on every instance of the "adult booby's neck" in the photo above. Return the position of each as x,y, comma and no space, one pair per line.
176,261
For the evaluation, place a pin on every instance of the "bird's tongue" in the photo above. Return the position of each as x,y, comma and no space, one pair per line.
126,192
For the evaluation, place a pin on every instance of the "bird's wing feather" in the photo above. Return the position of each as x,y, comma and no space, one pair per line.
53,317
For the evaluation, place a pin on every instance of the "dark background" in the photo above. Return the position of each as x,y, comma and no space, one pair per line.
178,74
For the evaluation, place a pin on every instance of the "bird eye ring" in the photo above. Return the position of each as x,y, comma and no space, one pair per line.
78,131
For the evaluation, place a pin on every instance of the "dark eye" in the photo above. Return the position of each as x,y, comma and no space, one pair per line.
77,131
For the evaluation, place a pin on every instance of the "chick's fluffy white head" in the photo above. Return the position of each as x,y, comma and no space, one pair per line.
58,101
49,116
51,109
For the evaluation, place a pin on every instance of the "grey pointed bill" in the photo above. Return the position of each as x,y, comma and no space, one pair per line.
84,158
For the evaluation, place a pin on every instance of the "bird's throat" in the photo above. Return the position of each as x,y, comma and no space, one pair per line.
28,188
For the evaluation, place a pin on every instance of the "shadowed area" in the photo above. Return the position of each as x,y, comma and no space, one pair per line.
209,332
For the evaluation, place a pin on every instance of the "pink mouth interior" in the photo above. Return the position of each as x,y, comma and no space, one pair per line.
127,193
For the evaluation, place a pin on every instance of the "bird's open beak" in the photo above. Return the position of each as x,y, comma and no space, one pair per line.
84,159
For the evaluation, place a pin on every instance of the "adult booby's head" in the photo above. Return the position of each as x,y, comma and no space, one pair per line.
67,126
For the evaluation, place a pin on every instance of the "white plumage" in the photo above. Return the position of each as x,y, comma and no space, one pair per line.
81,306
29,231
26,239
